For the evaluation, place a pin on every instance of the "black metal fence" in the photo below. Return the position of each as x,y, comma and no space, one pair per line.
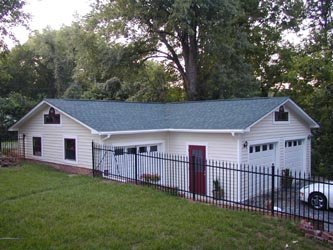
238,186
12,148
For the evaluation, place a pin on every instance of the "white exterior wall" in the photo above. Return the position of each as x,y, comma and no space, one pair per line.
139,139
219,147
268,131
53,139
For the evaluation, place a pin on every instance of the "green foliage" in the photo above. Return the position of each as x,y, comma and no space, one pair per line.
13,108
193,37
11,15
269,54
74,91
310,75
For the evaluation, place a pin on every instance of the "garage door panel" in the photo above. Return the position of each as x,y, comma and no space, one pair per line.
262,155
294,155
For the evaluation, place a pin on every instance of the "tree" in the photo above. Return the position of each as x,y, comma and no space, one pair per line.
191,35
25,72
11,14
310,78
12,108
151,83
270,55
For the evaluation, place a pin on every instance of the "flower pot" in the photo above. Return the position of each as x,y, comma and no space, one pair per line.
218,194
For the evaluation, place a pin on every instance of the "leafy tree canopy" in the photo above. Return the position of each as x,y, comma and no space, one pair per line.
11,15
191,36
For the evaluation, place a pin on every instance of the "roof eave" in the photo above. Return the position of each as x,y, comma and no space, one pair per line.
227,131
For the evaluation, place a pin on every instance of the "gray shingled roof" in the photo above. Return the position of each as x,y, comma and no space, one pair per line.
112,116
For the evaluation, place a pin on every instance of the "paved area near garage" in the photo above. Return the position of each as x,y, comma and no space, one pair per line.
286,201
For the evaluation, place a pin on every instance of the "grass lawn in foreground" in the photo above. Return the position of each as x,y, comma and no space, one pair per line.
41,208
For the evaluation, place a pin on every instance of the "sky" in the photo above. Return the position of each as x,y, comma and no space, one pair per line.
53,13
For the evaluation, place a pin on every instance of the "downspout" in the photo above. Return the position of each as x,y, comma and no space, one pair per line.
239,168
107,137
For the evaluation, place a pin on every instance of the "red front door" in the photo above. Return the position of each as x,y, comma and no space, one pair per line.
197,155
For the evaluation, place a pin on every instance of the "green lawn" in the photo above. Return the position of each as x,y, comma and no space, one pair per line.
42,208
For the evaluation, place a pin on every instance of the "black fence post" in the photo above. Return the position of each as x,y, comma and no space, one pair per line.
93,158
0,146
136,167
193,177
273,189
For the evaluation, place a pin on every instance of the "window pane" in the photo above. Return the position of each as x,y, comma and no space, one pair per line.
153,148
198,157
131,151
52,119
257,148
37,146
142,149
264,147
271,146
251,150
119,151
70,151
281,116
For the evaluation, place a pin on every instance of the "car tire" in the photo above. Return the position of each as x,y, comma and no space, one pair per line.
318,201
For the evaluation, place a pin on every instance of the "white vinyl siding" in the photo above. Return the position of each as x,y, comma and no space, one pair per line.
267,131
221,147
53,139
218,146
139,139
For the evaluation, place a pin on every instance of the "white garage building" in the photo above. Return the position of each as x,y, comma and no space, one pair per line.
256,131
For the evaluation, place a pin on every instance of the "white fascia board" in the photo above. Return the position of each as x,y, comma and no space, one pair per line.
129,132
297,109
35,109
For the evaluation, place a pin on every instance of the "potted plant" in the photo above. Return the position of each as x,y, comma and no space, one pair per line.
218,192
150,178
286,178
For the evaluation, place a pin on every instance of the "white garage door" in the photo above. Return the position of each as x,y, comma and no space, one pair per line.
131,162
294,155
262,155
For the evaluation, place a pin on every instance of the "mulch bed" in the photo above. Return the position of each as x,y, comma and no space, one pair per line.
8,161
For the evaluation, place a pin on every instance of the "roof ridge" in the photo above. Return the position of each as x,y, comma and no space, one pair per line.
180,102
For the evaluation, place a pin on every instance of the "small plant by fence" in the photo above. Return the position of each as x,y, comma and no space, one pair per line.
237,186
12,148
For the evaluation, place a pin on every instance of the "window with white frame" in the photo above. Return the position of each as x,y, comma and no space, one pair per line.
281,115
70,149
52,117
37,146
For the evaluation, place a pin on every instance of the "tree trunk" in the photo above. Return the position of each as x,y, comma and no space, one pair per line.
190,54
191,80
